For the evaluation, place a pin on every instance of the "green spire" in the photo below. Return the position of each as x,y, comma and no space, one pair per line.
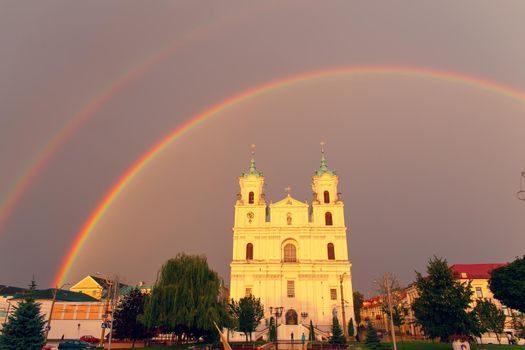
323,168
253,169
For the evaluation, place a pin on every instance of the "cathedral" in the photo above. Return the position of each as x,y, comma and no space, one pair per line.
293,255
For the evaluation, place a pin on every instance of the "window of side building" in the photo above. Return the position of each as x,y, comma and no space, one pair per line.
479,292
248,292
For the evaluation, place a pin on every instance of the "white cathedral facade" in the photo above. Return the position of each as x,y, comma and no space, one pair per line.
293,255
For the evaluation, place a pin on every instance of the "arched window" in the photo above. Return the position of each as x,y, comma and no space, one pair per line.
328,218
326,197
249,251
331,252
289,253
250,197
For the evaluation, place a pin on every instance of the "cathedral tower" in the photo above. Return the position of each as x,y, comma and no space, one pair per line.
292,255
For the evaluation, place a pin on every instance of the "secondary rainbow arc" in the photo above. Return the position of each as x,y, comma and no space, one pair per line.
146,158
39,161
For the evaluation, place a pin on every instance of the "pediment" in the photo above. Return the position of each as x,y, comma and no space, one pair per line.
289,202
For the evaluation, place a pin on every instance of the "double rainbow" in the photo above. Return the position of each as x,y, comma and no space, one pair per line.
286,82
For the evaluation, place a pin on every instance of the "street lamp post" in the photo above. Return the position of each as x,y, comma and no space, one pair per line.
48,327
277,311
345,330
521,192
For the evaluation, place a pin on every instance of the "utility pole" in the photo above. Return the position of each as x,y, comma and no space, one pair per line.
7,313
345,330
390,310
113,307
48,327
109,284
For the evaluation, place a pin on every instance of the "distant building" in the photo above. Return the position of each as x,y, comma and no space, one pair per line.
74,314
477,274
372,311
96,287
291,254
6,293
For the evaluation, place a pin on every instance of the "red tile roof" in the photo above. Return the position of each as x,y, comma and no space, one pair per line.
472,271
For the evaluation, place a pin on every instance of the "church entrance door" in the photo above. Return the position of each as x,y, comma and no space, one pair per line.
291,317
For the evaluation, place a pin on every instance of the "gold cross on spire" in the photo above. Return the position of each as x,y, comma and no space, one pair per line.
253,149
322,146
288,189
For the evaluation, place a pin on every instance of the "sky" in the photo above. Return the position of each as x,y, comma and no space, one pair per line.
427,166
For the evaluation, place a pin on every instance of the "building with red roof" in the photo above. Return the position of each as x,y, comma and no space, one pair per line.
477,274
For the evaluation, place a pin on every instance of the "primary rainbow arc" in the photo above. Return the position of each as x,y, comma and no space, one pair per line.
146,158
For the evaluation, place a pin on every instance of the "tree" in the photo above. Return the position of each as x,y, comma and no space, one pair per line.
490,318
337,336
272,330
351,330
25,327
518,324
186,299
441,307
311,335
127,324
372,340
247,312
390,289
508,285
358,304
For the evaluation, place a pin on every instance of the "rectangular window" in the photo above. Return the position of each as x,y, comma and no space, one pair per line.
479,293
290,287
248,292
333,293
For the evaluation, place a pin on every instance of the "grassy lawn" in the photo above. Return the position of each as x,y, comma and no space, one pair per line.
414,345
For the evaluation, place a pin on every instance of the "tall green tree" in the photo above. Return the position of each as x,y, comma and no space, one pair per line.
508,284
127,324
272,330
490,318
186,299
337,336
358,304
311,335
441,308
372,340
24,329
247,313
351,329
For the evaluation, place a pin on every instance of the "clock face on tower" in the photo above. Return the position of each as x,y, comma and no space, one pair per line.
250,216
